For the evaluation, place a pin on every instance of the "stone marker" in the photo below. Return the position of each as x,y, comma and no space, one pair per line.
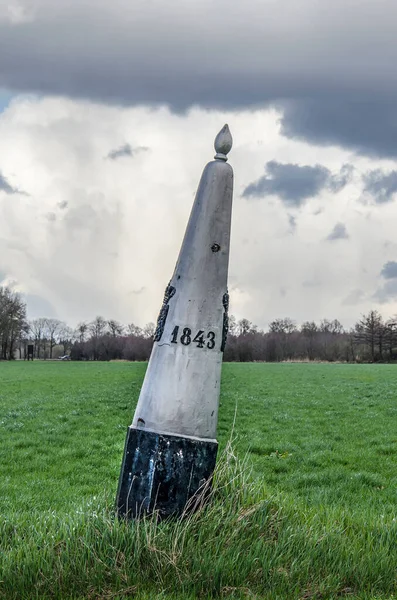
171,446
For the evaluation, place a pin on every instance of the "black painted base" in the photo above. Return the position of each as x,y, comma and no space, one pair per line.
166,473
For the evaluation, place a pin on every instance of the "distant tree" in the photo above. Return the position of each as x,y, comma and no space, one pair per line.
115,328
66,336
309,332
38,333
81,331
283,330
333,327
52,329
273,350
285,325
23,341
97,329
13,323
137,347
390,337
133,329
369,332
309,328
148,330
110,346
232,325
244,327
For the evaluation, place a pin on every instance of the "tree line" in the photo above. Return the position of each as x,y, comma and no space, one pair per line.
372,339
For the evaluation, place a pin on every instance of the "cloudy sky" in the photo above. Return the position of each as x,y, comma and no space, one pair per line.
108,112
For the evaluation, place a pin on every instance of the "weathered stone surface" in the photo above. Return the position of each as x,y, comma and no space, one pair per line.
163,472
180,392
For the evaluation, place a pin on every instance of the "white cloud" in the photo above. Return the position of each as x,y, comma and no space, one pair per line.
116,225
17,12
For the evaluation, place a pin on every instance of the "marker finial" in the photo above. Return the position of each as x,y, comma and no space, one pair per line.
223,143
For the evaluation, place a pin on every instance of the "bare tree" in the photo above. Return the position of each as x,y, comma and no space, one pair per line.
232,325
65,336
334,327
282,330
38,329
53,328
285,325
148,330
81,331
12,322
115,327
133,329
244,327
97,329
309,331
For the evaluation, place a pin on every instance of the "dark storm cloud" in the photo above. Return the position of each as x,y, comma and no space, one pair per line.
389,270
339,232
365,123
294,184
387,292
337,182
126,150
6,187
332,68
382,186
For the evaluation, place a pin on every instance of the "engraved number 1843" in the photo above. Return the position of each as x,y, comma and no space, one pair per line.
201,339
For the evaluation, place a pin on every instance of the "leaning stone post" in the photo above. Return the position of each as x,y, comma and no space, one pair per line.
171,446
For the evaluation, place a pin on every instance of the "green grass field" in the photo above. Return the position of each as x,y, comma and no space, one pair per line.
304,503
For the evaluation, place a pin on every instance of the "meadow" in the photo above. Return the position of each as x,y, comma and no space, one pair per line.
304,503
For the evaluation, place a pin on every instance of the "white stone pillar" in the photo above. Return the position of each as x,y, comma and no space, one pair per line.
171,446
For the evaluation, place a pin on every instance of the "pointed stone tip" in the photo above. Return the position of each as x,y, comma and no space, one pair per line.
223,143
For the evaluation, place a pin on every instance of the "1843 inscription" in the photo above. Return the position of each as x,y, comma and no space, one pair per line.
185,336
